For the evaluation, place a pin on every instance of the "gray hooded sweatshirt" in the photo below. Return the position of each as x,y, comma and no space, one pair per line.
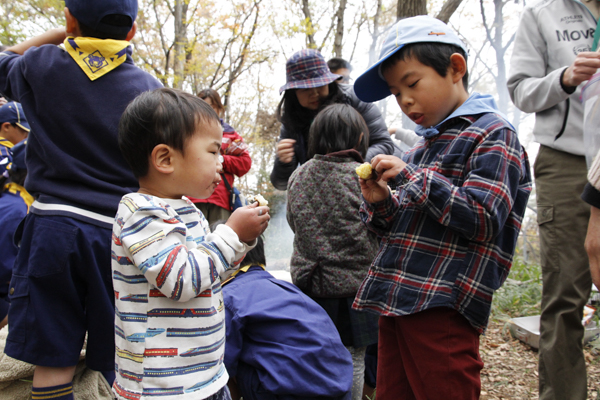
550,35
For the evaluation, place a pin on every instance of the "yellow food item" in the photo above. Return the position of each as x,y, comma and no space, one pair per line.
259,199
365,171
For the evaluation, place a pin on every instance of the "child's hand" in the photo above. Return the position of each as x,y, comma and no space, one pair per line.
249,222
373,191
285,150
387,167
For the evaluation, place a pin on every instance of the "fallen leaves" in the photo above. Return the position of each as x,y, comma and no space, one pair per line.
510,367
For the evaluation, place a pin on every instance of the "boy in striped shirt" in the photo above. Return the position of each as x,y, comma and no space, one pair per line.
167,265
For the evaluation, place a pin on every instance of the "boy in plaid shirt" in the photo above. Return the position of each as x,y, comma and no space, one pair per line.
449,232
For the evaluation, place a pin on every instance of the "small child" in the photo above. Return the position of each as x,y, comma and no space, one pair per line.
449,233
14,128
167,266
14,205
333,250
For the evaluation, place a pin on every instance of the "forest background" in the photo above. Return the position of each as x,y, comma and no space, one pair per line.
239,48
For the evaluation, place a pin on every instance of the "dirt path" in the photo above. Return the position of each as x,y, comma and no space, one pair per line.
510,368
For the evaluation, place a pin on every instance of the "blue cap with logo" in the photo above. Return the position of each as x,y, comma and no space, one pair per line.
12,112
371,86
18,156
91,12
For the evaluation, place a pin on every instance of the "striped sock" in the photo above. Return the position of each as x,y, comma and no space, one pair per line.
59,392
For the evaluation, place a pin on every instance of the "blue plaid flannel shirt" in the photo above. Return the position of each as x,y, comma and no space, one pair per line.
449,232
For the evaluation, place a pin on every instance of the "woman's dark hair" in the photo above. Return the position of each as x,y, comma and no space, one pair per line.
112,19
297,119
338,127
162,116
434,55
214,98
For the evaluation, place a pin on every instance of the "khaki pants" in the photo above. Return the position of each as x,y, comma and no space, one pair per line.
562,218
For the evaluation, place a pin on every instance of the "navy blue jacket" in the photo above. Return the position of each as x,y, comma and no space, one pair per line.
72,152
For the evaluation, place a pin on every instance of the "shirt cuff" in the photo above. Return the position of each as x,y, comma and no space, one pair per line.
567,89
591,195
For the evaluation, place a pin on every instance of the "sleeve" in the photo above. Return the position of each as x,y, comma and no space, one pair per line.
591,195
156,244
289,213
234,334
479,207
378,217
531,87
594,172
380,141
281,171
12,83
239,164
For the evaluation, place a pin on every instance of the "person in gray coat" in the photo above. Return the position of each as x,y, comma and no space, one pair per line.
310,87
552,57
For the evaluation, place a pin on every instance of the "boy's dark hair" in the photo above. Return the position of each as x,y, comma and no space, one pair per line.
338,127
17,177
296,118
254,256
257,254
214,98
434,55
337,63
161,116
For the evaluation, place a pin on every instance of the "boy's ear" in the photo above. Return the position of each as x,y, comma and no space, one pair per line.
72,25
5,126
132,32
458,66
161,159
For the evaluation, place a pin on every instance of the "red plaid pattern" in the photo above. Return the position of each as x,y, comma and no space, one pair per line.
449,233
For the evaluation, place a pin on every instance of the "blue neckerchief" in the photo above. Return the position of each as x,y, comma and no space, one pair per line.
476,104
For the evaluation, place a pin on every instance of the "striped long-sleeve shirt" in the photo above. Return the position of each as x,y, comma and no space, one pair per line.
169,316
449,233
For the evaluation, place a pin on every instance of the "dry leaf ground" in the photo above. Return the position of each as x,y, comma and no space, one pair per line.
510,367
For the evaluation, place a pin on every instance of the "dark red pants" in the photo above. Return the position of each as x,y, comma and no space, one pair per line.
430,355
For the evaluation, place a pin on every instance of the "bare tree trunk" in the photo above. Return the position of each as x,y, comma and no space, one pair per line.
310,37
235,72
180,43
339,32
375,35
448,9
411,8
496,41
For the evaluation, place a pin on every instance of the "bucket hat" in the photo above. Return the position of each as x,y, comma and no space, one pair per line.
371,86
307,69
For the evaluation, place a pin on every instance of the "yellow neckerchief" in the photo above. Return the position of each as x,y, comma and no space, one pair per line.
6,143
96,57
245,268
20,190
